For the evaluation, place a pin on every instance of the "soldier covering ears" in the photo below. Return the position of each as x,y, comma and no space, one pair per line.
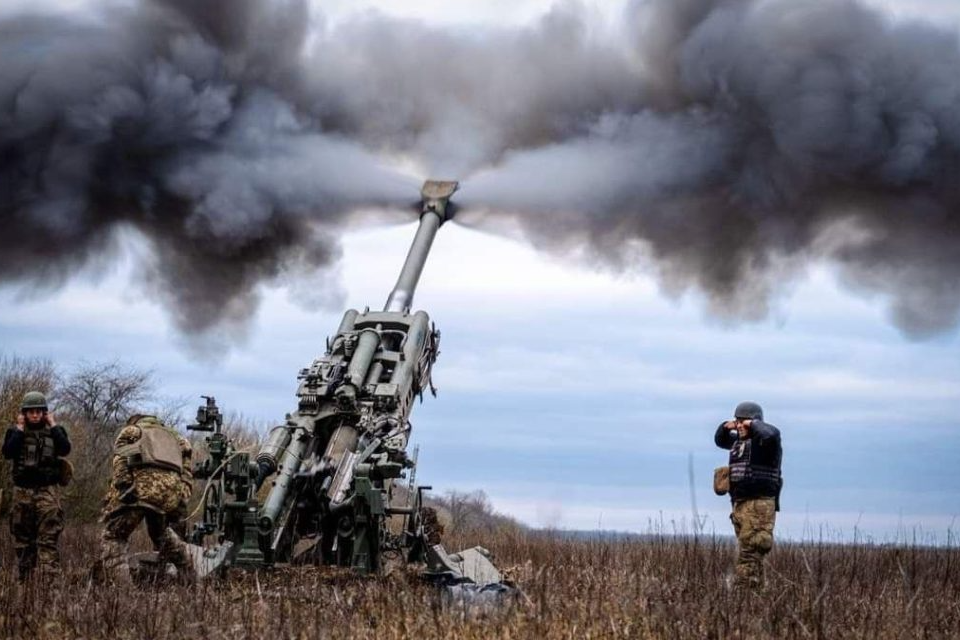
754,485
36,445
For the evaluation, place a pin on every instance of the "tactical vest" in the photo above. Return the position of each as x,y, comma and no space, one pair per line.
158,447
749,477
37,464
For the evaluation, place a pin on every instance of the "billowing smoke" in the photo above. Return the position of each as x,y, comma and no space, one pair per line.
772,133
179,119
727,143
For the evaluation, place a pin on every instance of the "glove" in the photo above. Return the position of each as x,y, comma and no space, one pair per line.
129,496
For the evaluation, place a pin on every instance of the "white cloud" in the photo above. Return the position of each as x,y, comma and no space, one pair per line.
444,12
938,11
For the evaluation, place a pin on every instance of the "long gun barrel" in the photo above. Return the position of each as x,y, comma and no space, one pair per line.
436,196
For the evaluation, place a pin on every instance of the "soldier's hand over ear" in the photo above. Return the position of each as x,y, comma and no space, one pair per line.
51,421
20,422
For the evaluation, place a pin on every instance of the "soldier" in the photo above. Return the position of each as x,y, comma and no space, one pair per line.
754,486
36,445
152,481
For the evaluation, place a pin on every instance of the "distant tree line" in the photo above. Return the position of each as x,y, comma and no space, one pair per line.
463,512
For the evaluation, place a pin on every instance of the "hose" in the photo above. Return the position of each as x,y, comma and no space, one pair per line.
206,486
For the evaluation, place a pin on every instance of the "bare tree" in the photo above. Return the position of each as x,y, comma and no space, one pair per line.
104,393
170,411
19,375
468,510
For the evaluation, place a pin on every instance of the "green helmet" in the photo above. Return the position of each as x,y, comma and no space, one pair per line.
748,411
33,400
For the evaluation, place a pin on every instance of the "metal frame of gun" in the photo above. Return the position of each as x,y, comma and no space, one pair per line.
332,467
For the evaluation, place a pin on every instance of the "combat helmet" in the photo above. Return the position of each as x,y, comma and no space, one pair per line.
748,411
33,400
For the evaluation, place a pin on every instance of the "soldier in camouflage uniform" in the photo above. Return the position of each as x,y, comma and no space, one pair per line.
152,481
755,483
36,445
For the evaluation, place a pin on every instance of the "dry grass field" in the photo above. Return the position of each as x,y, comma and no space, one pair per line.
654,588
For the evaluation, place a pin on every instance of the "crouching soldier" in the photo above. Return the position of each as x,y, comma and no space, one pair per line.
152,482
754,485
36,446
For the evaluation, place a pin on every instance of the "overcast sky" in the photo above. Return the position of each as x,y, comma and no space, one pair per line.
573,397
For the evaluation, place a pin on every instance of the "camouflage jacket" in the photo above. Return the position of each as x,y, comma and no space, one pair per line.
158,489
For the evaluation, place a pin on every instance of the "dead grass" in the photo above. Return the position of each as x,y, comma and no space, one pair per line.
657,588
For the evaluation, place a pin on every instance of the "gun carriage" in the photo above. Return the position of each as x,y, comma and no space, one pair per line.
334,467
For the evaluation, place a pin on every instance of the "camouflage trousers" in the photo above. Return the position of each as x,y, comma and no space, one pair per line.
753,522
119,525
36,521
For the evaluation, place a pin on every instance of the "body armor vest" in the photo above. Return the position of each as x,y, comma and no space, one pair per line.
749,476
158,447
37,465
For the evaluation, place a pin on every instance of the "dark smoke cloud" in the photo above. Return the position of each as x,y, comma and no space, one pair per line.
179,119
726,143
460,98
773,133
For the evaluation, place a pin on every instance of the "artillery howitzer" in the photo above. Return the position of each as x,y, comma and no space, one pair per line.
334,467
